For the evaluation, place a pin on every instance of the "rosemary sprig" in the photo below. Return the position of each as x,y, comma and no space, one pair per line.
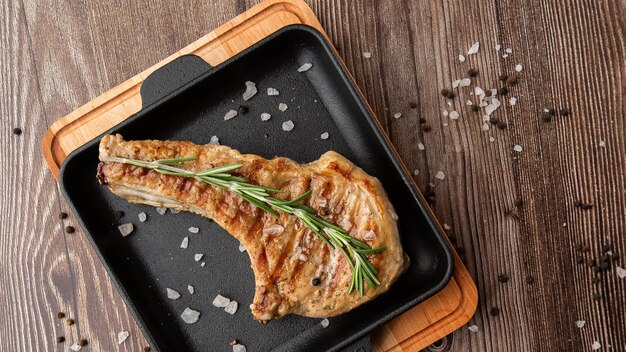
334,236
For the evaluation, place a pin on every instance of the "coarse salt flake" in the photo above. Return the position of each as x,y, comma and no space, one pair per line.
465,82
498,47
367,55
596,345
161,210
519,67
454,115
440,175
231,307
445,113
239,348
397,115
369,235
265,116
456,83
122,336
416,172
324,135
185,243
191,289
230,114
242,248
468,102
190,316
305,67
447,227
202,264
508,50
485,126
214,140
194,229
504,56
324,323
76,347
172,294
474,49
250,90
174,211
220,301
421,146
272,91
621,272
580,324
473,328
282,107
273,229
602,144
461,57
126,229
513,101
198,256
491,139
288,125
142,217
518,148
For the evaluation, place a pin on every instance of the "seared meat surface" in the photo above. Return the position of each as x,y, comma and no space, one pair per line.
295,271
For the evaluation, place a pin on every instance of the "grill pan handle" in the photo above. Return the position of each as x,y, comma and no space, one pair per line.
170,77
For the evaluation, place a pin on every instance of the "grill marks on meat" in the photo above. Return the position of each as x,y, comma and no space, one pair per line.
284,264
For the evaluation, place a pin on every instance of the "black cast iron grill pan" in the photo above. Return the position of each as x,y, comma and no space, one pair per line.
186,100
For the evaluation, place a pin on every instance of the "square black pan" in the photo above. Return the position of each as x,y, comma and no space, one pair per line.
187,100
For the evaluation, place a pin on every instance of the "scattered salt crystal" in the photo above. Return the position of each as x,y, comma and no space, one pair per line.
465,82
461,58
491,139
282,107
495,104
513,101
498,47
485,126
214,140
508,50
303,257
198,256
369,235
456,83
321,202
596,345
305,67
142,217
220,301
126,229
367,55
479,91
483,104
239,348
447,227
518,148
445,124
394,215
76,347
190,316
446,113
421,146
185,243
272,91
454,115
202,264
397,115
580,324
468,102
473,49
122,336
174,211
273,229
565,225
416,172
288,125
473,328
546,110
230,114
602,144
324,135
621,272
519,67
265,116
161,210
242,248
324,323
191,289
231,307
250,90
440,175
504,56
194,229
172,294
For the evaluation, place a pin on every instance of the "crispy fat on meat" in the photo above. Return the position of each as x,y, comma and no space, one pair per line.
285,255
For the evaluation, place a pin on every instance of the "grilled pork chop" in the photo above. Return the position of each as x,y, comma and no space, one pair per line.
295,271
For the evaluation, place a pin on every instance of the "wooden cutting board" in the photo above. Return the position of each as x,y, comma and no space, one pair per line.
414,330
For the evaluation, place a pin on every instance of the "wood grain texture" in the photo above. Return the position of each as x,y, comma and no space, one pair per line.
58,55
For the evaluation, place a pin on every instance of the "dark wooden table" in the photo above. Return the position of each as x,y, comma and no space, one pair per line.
510,213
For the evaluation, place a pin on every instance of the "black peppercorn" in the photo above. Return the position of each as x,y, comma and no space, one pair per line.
580,259
17,131
493,120
243,109
530,279
147,349
494,311
472,72
445,92
547,117
69,322
62,215
450,95
606,248
587,206
564,112
233,342
511,81
519,202
503,77
316,281
426,127
503,91
597,296
503,278
119,214
579,247
413,105
502,125
422,120
60,339
475,108
83,342
552,112
60,315
70,229
595,280
488,93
